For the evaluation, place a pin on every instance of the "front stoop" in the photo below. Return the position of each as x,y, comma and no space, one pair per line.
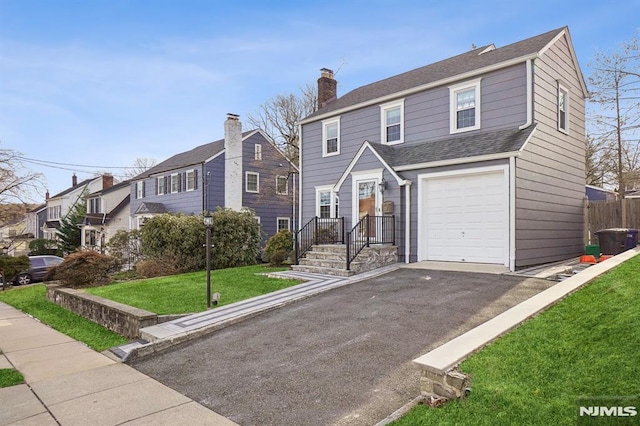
331,259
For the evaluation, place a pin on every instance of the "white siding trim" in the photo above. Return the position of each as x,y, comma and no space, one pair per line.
355,159
455,161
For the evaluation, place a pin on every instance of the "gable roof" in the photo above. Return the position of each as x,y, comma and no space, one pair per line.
442,72
151,208
197,155
73,188
101,219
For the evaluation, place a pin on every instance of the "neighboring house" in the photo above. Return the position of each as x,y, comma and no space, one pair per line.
595,193
62,203
35,220
107,213
15,239
244,170
479,157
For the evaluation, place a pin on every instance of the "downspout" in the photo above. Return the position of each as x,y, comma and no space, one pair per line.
529,65
407,219
512,214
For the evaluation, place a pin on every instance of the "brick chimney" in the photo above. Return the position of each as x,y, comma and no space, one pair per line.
46,195
74,180
107,180
233,189
327,87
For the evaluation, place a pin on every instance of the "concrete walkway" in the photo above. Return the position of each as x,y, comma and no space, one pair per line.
68,383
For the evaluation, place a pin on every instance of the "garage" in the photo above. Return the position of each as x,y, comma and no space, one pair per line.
464,216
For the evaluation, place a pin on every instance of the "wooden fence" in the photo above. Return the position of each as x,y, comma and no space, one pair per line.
608,214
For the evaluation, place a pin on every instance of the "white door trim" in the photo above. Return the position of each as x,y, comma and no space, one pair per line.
367,175
423,177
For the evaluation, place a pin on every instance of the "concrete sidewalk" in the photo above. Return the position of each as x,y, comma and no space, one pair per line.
68,383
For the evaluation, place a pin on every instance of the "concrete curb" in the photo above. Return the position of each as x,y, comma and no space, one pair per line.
437,363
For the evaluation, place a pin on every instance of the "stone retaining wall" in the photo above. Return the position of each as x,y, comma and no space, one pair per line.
123,319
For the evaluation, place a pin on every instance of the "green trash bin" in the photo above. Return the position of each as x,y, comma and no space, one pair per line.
593,250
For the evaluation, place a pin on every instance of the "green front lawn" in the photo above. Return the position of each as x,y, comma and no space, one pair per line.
586,345
33,301
187,293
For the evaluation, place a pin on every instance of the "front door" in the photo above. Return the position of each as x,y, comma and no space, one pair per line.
367,202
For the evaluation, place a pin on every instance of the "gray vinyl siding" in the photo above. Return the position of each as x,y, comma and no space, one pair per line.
213,183
503,97
267,204
550,175
187,202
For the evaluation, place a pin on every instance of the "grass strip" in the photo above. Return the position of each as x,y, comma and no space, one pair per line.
33,301
186,293
10,377
587,345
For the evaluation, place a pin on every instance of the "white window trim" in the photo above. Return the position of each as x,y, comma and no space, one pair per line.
383,121
257,153
332,206
286,186
246,182
326,123
567,105
160,188
193,182
177,178
278,219
139,190
453,105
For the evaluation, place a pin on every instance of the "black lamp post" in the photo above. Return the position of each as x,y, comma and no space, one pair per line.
208,222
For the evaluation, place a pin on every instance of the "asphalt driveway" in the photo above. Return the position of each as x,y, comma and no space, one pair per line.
342,357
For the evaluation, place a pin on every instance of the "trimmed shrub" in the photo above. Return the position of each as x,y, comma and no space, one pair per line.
236,238
83,269
279,247
157,267
176,237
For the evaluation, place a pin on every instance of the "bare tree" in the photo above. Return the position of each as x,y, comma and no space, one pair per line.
17,183
279,116
615,112
140,165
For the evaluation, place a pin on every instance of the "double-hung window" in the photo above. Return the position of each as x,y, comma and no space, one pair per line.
563,108
252,182
160,182
191,180
281,185
283,224
94,205
140,189
331,137
465,106
326,202
175,183
392,119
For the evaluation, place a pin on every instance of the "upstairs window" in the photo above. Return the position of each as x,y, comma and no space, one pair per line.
191,180
392,118
252,182
257,153
140,189
281,185
331,137
94,205
175,183
563,108
465,106
160,182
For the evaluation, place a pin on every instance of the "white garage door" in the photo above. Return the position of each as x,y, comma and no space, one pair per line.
466,217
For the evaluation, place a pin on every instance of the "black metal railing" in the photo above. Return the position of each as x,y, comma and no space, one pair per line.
318,231
370,230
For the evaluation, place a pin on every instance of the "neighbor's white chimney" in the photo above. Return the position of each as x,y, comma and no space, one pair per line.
233,163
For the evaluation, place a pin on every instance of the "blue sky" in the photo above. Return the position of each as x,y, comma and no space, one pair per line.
102,82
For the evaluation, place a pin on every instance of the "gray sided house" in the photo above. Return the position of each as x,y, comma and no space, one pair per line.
244,170
479,157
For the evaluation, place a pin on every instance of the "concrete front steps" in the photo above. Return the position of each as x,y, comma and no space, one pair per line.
331,259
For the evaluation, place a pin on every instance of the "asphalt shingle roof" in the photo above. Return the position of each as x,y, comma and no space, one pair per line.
469,145
195,156
457,65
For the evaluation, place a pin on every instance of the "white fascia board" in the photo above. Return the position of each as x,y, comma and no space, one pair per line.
455,161
424,87
574,57
354,161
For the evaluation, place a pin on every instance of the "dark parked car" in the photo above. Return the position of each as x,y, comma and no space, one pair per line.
37,270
